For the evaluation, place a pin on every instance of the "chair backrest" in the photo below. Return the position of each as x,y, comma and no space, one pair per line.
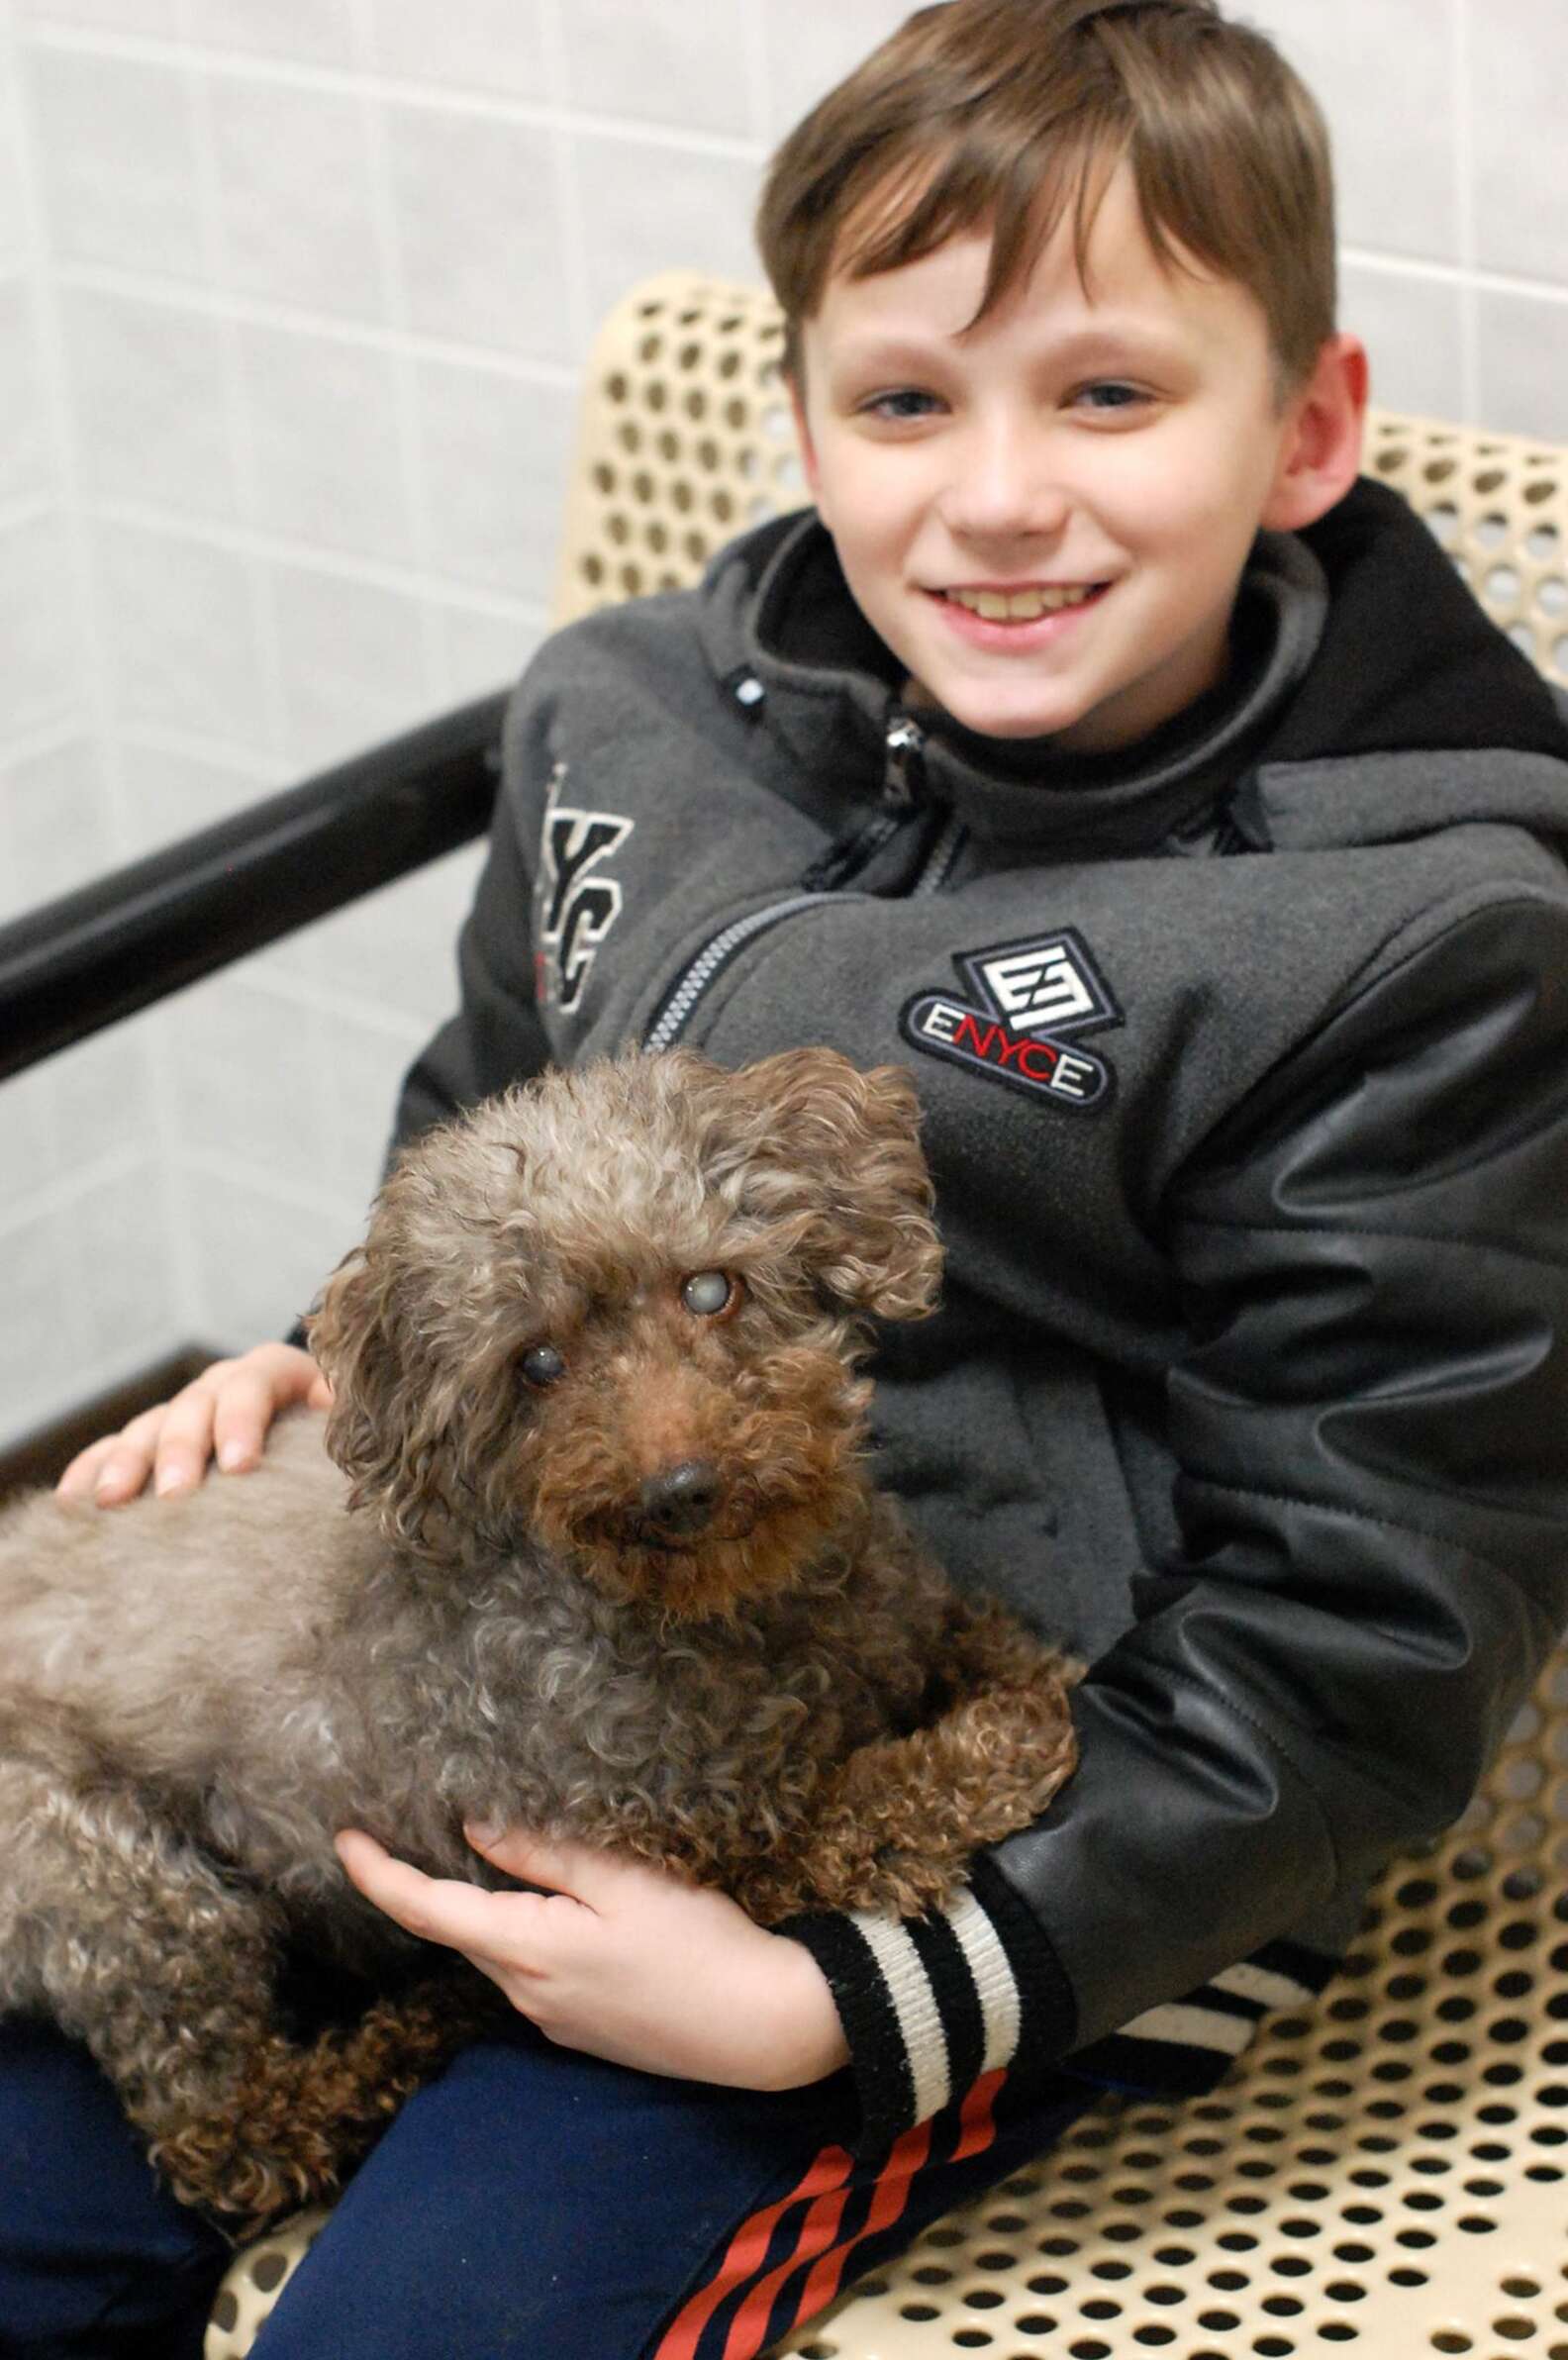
686,439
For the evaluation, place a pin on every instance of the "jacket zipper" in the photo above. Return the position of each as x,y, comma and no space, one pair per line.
903,744
680,1004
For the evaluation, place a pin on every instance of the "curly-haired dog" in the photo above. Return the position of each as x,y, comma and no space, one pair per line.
606,1564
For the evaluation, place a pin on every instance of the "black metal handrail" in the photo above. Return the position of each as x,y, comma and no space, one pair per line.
129,939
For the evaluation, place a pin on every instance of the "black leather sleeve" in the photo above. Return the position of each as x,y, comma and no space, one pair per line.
1372,1434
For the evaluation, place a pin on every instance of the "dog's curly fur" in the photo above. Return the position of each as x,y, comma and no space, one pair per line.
606,1564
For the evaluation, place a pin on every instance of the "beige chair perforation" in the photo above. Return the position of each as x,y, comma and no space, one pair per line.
1388,2172
1499,503
686,442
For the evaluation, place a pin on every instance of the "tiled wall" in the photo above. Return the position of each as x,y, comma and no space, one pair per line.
292,297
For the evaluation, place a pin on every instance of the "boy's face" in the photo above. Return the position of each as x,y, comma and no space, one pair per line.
1101,465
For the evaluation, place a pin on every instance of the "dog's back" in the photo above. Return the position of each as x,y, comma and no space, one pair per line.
153,1622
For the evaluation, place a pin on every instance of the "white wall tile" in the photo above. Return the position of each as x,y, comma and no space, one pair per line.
124,1269
1524,363
295,218
149,401
83,1111
181,635
260,1255
327,459
162,19
26,1101
494,452
103,1097
681,62
1414,332
14,232
26,458
41,1346
482,650
114,145
60,831
1391,114
479,241
494,45
166,793
647,207
41,678
352,663
245,1072
810,44
365,1065
1519,55
306,32
393,951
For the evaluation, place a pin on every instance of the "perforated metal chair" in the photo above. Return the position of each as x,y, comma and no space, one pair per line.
1389,2170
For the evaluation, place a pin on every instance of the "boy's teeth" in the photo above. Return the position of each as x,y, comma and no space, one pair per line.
1019,606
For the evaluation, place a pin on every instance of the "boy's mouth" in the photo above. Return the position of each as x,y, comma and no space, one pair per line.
1023,606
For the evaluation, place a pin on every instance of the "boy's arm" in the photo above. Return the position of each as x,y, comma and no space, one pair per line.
1372,1431
494,1037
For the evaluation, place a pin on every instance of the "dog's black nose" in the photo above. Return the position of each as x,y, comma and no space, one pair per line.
679,1501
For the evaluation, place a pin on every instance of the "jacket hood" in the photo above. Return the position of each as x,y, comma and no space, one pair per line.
1354,643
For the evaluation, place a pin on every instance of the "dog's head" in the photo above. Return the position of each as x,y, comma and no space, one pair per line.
619,1312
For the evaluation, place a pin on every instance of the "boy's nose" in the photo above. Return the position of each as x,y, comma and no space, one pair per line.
1005,487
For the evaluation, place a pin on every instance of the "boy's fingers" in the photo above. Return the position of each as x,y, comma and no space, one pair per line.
243,1410
226,1411
114,1467
563,1867
185,1440
436,1909
80,1479
582,1872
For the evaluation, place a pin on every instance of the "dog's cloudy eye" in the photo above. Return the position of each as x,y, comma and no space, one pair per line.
543,1366
710,1292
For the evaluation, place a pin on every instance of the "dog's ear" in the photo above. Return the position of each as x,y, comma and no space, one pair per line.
842,1145
390,1420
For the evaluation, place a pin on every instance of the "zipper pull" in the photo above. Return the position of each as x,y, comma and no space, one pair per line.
905,748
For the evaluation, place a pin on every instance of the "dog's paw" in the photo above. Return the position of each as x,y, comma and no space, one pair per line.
242,2186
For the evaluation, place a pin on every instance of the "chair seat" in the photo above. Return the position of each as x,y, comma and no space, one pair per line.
1388,2170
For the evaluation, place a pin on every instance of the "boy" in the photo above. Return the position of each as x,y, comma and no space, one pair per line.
1150,787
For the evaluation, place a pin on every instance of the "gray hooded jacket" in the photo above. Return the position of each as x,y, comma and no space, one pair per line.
1244,1060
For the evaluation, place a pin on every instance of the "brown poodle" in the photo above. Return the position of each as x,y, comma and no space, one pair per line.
598,1556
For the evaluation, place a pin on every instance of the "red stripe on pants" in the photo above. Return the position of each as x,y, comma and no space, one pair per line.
745,2253
977,2129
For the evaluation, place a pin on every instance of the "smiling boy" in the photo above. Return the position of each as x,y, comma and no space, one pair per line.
1045,511
1106,750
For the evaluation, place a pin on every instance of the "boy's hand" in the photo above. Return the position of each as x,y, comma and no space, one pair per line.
226,1411
624,1962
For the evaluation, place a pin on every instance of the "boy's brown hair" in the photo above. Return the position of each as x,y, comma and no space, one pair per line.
1010,115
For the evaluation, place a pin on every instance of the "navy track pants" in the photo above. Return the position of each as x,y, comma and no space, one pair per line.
533,2203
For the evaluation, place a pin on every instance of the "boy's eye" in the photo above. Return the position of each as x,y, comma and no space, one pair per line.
905,401
1111,394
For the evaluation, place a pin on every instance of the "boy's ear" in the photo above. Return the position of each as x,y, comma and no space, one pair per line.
1320,449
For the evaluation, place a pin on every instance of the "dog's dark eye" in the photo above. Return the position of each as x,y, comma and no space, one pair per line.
710,1293
543,1366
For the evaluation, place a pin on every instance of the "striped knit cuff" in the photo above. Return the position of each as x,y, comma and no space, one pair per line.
1185,2046
930,2004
